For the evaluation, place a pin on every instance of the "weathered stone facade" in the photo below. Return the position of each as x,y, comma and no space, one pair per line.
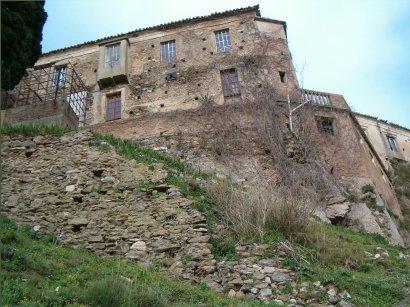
389,140
196,69
162,101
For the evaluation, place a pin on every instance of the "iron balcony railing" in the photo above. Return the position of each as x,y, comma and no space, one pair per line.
54,84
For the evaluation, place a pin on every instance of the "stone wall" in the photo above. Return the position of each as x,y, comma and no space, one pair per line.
257,45
97,199
201,136
40,113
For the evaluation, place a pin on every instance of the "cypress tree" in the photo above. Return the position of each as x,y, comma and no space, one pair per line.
21,34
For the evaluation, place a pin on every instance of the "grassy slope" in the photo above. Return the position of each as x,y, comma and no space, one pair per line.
335,254
339,258
36,270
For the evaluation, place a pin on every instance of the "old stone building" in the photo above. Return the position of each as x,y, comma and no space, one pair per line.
390,141
173,85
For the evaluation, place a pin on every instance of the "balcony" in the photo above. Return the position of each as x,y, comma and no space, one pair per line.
325,99
315,97
112,65
48,94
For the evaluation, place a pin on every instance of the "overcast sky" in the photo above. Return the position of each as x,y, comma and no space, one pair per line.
360,49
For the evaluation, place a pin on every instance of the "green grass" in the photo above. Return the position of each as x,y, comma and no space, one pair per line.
131,149
38,271
35,129
401,182
337,256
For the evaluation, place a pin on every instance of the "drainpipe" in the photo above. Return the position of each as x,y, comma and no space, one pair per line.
293,110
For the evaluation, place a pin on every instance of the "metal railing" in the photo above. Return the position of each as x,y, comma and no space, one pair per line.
60,85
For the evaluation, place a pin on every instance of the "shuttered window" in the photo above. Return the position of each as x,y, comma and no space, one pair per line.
168,52
223,40
112,55
230,83
114,106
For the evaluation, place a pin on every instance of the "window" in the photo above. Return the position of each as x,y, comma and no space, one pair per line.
112,55
325,124
59,75
114,106
392,143
282,76
223,41
168,52
230,83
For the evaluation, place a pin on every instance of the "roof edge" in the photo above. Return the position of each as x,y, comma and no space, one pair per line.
169,25
382,120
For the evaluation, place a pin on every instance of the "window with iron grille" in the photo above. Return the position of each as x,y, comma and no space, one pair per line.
392,143
114,106
230,83
223,40
168,51
112,55
59,75
325,124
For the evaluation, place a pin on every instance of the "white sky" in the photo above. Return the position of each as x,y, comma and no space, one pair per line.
360,49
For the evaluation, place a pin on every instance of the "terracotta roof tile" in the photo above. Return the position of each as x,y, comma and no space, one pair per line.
166,26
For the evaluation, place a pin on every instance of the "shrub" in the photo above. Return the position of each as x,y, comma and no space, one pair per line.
253,211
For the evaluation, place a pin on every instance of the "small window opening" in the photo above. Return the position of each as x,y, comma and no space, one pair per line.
171,76
59,75
325,125
168,51
283,77
392,143
223,41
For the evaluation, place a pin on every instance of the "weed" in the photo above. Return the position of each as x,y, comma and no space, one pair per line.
322,296
367,188
35,129
223,249
185,258
104,147
145,184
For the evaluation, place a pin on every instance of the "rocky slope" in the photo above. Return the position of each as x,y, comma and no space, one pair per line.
80,189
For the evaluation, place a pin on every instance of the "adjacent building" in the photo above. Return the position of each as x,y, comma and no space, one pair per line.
389,140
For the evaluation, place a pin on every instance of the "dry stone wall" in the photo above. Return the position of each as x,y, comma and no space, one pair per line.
82,191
